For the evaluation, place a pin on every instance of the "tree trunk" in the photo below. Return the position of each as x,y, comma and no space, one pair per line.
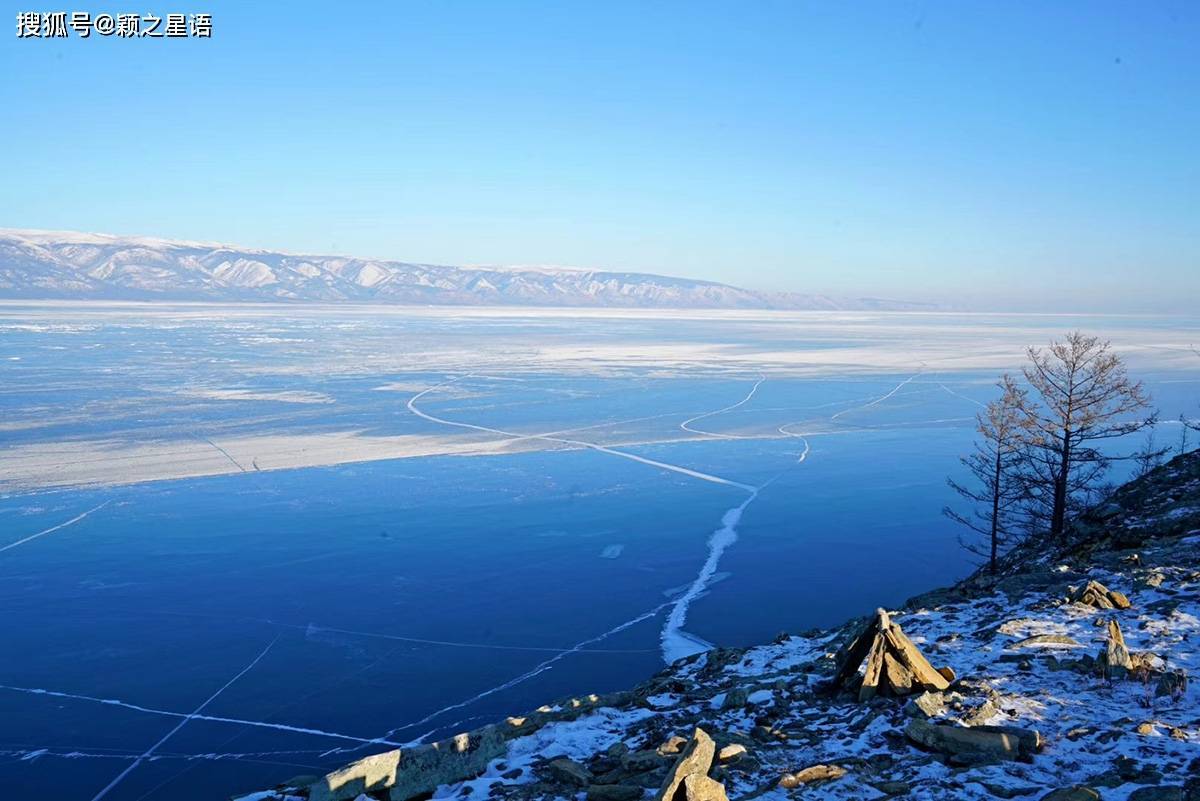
996,486
1058,521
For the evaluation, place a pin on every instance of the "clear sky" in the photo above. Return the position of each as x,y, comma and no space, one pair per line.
1040,155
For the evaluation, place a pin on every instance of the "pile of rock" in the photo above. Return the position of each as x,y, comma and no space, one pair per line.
893,664
1097,595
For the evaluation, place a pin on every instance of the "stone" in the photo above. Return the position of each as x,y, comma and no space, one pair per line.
698,787
1159,793
1077,793
893,788
927,704
819,773
673,745
1007,790
735,698
424,768
1145,728
641,761
613,792
568,771
1046,639
948,673
369,774
1173,683
731,753
978,742
1116,655
696,758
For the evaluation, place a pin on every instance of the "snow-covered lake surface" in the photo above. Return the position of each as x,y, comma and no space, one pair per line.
239,543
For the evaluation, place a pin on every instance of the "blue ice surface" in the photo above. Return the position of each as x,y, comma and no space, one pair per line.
398,595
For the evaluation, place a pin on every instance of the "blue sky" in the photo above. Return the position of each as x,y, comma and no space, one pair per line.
996,154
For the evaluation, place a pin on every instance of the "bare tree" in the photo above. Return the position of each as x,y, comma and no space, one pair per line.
997,489
1149,456
1081,396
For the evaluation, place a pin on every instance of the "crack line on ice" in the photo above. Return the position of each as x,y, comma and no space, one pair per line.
172,714
149,752
880,399
412,407
52,529
685,425
541,667
312,627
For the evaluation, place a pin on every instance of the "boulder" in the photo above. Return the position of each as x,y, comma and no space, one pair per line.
369,774
1162,792
978,742
1046,639
731,753
1117,661
817,773
1173,683
698,787
696,759
568,771
424,768
613,792
1077,793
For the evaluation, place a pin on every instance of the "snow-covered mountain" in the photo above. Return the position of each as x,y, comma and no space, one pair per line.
59,264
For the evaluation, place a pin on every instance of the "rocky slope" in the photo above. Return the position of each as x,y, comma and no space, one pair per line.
1068,681
69,265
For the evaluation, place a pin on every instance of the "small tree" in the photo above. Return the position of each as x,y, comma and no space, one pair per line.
1081,396
996,489
1150,456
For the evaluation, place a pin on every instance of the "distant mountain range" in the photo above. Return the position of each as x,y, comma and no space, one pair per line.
68,265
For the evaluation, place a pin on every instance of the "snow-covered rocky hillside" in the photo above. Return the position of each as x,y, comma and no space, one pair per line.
67,265
1053,687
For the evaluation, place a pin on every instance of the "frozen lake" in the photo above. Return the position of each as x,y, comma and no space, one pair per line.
316,530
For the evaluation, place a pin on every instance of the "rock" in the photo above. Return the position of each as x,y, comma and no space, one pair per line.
641,761
982,713
672,746
424,768
1159,793
1072,794
698,787
613,792
927,704
814,774
893,788
568,771
948,673
1007,790
1145,728
731,753
370,774
1116,655
696,758
1097,595
1173,683
735,698
301,781
1046,639
979,742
